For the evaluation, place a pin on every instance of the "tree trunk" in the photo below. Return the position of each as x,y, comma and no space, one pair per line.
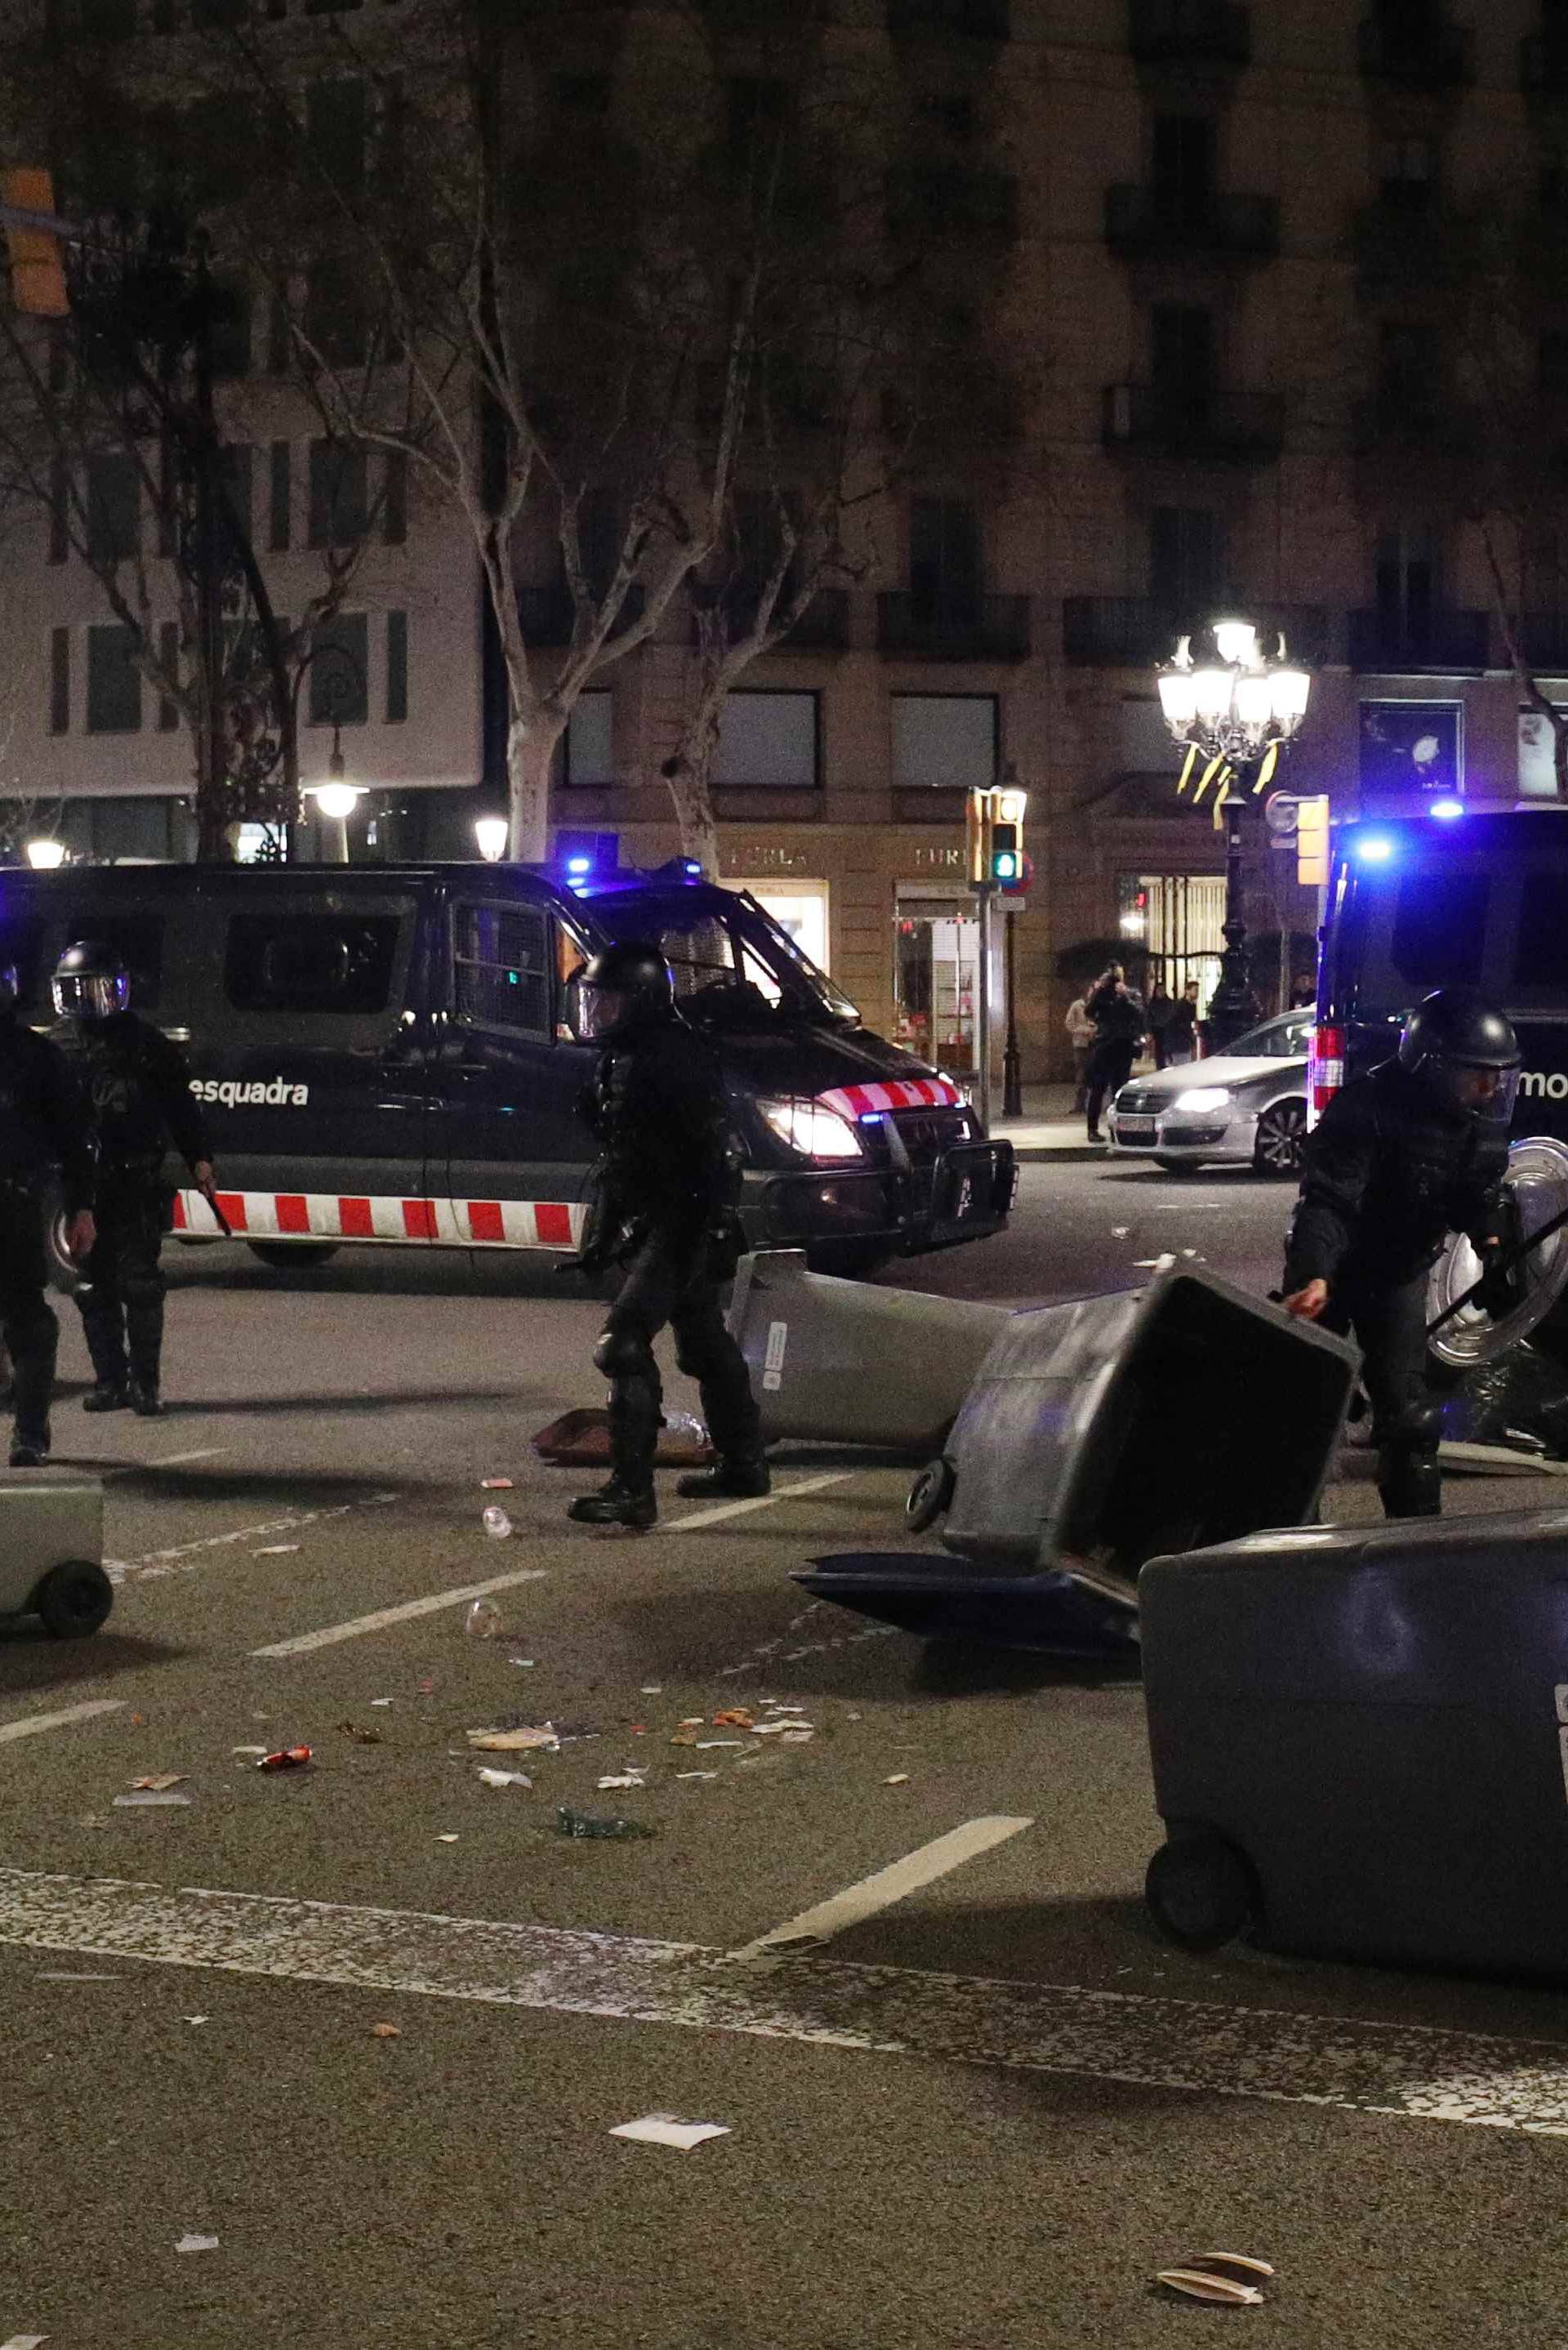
530,755
688,775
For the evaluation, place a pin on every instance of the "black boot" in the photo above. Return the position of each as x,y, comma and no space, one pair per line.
145,1401
107,1395
33,1344
1409,1485
29,1446
617,1505
745,1478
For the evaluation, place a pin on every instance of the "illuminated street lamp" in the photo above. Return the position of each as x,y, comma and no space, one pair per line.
1233,716
45,855
337,800
493,833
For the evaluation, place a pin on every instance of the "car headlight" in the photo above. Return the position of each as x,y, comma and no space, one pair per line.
813,1130
1203,1098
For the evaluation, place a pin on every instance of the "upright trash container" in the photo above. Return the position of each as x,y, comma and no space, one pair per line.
1359,1737
51,1550
851,1362
1162,1418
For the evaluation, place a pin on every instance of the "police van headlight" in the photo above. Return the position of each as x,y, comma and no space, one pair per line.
1202,1098
815,1131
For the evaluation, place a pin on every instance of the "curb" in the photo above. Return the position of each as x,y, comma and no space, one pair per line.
1072,1154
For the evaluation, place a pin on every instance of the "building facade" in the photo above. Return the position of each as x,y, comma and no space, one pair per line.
1213,264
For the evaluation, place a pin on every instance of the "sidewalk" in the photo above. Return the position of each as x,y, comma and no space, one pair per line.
1048,1130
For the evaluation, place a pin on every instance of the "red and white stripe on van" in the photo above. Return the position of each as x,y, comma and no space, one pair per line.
892,1093
1326,1070
334,1216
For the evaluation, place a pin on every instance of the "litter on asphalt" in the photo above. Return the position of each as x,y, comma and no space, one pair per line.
189,2243
505,1778
149,1795
275,1549
24,2342
899,1779
622,1779
386,2032
664,2129
247,1750
482,1621
495,1522
160,1780
652,1688
706,1745
734,1717
537,1738
364,1737
569,1823
1233,2279
696,1774
495,1484
446,1839
285,1758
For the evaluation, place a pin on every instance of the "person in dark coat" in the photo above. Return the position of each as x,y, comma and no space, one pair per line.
1161,1010
664,1212
1182,1029
42,1124
1117,1013
138,1087
1400,1158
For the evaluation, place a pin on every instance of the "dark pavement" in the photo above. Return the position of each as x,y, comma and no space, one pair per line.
983,2114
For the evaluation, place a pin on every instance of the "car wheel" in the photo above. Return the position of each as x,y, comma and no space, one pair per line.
1201,1892
284,1254
1282,1131
929,1495
73,1599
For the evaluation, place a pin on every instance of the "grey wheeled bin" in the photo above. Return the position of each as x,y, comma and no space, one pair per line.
1359,1737
51,1551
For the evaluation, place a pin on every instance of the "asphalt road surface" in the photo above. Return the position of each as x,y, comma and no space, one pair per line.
976,2101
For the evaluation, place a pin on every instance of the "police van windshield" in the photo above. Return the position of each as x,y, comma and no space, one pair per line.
732,962
1422,926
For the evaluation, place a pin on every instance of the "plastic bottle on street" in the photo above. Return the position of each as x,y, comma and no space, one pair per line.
496,1522
482,1621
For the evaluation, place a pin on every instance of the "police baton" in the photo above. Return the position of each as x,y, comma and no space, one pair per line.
1515,1256
210,1197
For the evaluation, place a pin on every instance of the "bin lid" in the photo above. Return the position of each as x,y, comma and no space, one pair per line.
1537,1178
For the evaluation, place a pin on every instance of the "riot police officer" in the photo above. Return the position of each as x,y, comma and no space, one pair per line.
43,1120
139,1095
1402,1157
663,1209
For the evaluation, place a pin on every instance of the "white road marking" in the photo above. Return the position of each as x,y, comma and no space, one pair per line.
180,1558
28,1724
166,1460
429,1606
888,1885
1415,2072
760,1502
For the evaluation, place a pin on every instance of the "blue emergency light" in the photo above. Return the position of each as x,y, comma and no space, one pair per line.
1447,810
1376,848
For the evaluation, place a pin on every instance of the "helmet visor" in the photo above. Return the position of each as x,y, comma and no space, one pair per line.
90,995
602,1012
1487,1094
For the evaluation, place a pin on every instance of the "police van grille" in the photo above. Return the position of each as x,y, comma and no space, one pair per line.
926,1132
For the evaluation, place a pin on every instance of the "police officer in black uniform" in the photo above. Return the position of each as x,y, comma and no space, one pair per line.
43,1121
138,1093
665,1188
1402,1157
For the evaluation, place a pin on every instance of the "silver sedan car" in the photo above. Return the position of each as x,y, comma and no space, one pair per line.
1244,1108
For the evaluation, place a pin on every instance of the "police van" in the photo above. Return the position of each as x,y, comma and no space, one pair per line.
391,1054
1436,900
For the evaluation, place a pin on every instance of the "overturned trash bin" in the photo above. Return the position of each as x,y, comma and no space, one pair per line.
1103,1433
853,1362
1359,1737
51,1551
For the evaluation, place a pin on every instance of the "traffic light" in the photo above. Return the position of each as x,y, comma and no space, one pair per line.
38,269
1312,841
994,838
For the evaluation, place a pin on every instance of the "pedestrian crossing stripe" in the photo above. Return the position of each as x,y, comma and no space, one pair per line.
349,1216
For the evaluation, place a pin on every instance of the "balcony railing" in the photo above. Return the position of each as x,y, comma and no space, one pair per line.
984,20
1437,56
1143,221
1137,631
1544,63
959,627
548,615
1191,32
822,628
1227,426
1451,643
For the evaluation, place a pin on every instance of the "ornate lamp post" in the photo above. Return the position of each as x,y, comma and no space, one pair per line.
1233,716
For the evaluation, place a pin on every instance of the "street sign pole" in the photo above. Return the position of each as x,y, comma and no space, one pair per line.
985,890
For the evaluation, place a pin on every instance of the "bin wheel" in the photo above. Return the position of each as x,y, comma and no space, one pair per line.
1201,1892
929,1495
292,1253
73,1599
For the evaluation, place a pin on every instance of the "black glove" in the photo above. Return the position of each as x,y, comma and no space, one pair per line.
1500,1286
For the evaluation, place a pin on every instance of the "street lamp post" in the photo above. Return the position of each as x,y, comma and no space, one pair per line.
1233,716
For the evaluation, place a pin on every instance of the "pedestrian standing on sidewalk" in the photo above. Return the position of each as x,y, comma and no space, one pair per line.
1181,1028
1161,1009
1117,1013
1080,1036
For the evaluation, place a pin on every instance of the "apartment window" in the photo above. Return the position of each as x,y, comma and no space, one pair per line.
945,742
334,320
168,662
397,668
1181,350
59,510
395,498
59,681
337,498
1405,371
769,740
1407,574
113,507
232,329
1182,154
335,131
589,752
237,465
944,559
281,488
114,682
1187,560
339,671
1406,173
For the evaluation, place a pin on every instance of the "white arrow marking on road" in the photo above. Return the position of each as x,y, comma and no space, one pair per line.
31,1723
893,1883
410,1608
1414,2072
181,1557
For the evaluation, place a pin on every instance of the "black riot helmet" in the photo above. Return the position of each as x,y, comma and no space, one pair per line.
90,983
1464,1052
626,990
10,989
